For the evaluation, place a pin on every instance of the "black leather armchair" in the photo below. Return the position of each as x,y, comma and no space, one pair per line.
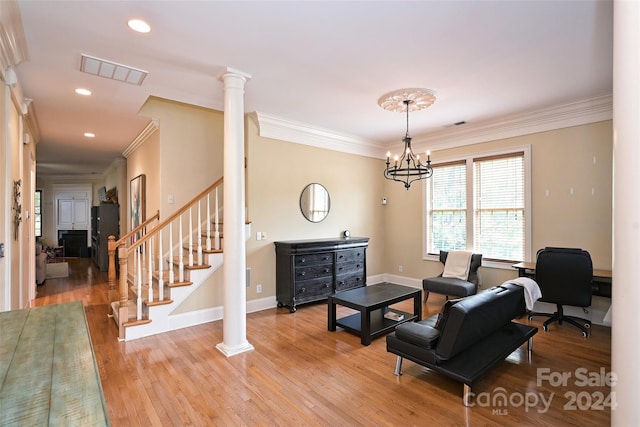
450,286
564,276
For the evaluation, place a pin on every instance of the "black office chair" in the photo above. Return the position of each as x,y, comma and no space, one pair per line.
564,276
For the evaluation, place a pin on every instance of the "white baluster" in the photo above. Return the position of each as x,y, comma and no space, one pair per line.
190,240
180,256
139,275
199,236
208,224
171,263
160,268
150,267
216,234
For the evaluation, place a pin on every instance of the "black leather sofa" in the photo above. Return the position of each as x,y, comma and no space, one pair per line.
469,337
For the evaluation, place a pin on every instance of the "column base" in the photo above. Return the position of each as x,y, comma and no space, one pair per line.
232,351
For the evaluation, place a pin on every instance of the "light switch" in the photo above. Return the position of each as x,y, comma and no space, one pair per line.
170,199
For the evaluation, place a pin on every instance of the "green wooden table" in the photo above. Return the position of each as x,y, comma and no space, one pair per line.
48,372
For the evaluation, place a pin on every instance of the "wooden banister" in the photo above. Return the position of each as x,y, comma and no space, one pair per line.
138,228
176,214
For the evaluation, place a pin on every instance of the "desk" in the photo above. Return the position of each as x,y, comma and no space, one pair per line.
601,278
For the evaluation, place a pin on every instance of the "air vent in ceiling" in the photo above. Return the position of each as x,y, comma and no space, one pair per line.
112,70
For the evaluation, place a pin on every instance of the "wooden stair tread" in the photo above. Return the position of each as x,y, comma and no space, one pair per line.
197,267
136,322
179,284
155,303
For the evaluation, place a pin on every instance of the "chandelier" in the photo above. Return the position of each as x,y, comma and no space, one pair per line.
407,168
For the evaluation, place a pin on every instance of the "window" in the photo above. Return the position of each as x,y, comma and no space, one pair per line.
37,213
481,204
447,218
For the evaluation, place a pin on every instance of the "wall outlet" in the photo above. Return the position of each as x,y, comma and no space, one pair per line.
258,235
259,288
400,268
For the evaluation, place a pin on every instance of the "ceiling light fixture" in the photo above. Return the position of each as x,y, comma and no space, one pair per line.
89,135
139,25
111,70
83,91
408,168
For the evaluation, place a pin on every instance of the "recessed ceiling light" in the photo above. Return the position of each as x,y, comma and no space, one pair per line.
89,135
83,91
139,25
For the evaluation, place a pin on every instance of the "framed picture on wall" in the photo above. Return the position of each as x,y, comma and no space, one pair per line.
137,203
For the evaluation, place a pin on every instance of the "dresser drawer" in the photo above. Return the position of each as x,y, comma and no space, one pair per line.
313,272
346,268
349,281
313,259
350,255
313,289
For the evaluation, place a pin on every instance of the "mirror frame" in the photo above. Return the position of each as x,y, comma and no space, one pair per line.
314,215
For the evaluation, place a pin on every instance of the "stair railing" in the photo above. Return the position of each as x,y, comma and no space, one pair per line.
139,267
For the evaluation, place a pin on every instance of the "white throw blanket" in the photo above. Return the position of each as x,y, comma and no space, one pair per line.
457,265
531,290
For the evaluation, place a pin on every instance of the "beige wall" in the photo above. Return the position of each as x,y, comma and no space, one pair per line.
561,159
145,160
277,173
16,258
4,209
191,140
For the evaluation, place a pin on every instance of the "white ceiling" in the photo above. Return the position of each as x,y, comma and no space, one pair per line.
321,63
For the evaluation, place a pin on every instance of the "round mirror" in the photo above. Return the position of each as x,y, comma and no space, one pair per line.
315,202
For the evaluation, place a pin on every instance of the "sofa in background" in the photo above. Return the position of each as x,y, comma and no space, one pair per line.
41,263
468,338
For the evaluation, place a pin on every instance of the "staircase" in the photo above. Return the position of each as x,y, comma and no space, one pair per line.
161,263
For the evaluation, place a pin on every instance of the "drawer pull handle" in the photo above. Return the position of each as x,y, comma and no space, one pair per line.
303,273
340,268
302,261
326,270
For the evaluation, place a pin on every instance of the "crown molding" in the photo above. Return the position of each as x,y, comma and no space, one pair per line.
151,127
270,126
571,114
13,43
575,113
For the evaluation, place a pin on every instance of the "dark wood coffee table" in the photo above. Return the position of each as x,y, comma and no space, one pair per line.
372,302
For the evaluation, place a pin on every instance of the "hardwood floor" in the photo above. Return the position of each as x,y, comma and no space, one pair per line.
301,374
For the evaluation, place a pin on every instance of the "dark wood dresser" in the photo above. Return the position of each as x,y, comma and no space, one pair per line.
310,270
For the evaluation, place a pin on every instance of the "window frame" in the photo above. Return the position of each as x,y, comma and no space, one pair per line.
37,214
468,158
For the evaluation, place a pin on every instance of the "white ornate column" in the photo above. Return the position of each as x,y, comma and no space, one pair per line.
626,210
235,294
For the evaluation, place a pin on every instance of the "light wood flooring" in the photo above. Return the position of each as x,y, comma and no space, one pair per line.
300,374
